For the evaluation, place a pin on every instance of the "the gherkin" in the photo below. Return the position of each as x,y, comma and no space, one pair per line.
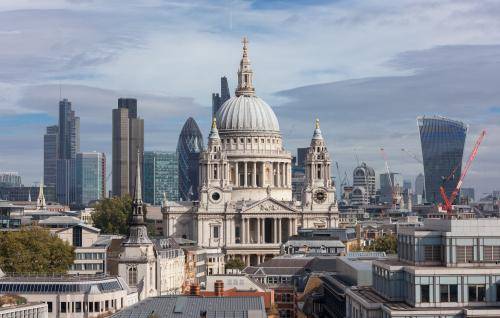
189,147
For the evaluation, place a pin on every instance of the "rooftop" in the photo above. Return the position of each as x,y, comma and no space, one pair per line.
191,306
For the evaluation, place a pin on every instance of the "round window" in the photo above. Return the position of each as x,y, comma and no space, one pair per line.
216,196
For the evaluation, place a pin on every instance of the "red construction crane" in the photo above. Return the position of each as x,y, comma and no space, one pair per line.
447,204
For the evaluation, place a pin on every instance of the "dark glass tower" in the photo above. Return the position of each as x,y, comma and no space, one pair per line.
189,147
442,141
218,100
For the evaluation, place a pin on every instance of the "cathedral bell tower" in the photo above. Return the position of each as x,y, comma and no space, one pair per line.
319,192
214,172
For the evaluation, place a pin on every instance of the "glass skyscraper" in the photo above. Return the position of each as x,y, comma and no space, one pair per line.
189,147
90,177
161,175
442,142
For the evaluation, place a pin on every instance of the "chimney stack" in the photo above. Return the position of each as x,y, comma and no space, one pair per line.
219,288
194,289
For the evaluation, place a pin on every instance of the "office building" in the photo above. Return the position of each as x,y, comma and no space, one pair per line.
189,146
446,268
161,176
387,186
90,177
301,156
67,148
442,142
128,139
10,179
218,100
364,190
50,155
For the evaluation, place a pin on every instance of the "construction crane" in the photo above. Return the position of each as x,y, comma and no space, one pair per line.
411,154
448,201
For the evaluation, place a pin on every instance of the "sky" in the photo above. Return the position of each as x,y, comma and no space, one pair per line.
366,69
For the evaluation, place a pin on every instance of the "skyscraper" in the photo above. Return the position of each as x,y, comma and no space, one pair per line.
68,146
442,142
128,138
301,156
161,176
90,177
189,146
218,100
50,155
386,191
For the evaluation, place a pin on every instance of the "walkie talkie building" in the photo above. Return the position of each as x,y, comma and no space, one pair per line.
189,146
442,142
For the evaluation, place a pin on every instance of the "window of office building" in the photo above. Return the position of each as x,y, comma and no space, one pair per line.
491,253
477,292
424,294
465,254
432,253
448,293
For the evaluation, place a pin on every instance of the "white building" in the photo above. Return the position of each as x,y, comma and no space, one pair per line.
246,206
170,266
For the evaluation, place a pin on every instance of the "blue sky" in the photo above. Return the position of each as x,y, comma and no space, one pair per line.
367,69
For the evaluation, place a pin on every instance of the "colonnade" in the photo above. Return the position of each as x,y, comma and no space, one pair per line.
254,230
261,174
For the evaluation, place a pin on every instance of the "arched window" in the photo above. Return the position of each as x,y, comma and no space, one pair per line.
132,275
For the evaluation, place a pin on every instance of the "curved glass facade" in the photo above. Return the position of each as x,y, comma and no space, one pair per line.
189,147
442,142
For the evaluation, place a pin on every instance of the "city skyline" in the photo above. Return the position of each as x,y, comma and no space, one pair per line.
407,75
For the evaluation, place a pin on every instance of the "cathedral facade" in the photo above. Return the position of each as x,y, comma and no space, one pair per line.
245,182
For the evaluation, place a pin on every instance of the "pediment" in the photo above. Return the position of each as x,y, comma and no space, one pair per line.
268,205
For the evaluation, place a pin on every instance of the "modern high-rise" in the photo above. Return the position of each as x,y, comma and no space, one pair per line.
301,156
128,139
67,148
442,142
364,190
161,176
50,155
189,147
388,186
90,177
218,100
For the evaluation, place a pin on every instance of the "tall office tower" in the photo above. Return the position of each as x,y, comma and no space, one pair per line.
90,177
128,138
68,146
161,176
385,186
442,142
10,179
50,155
189,146
218,100
364,190
301,156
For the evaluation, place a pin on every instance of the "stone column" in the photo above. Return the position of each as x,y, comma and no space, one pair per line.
242,231
254,174
280,237
245,177
275,234
236,175
258,230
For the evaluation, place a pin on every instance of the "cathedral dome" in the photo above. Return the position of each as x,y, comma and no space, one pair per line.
247,113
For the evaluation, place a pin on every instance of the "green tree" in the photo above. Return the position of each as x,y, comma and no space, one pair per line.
34,250
235,263
112,215
387,243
